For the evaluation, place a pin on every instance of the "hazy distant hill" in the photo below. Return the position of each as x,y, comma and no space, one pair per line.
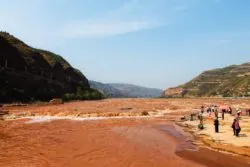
228,82
28,74
130,90
106,89
125,90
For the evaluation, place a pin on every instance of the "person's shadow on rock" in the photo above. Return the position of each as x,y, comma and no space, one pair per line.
242,135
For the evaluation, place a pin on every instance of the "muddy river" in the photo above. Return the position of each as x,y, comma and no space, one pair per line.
104,143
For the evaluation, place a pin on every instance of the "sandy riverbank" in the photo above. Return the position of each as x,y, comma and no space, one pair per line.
224,140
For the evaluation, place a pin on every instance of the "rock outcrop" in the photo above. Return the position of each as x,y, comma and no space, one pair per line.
175,92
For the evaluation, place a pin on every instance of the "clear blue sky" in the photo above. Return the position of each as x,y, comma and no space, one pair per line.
154,43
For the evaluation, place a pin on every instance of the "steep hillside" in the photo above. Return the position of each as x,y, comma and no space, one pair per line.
106,89
129,90
28,74
232,81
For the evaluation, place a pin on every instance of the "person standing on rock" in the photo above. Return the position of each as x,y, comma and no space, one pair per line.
202,114
238,113
209,110
248,112
200,117
202,109
223,113
212,108
216,113
233,126
230,110
237,127
216,125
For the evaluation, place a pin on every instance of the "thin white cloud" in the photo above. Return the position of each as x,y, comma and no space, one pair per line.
131,17
102,28
123,20
33,17
223,41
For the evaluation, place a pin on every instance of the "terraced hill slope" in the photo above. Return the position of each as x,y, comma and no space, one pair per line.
231,81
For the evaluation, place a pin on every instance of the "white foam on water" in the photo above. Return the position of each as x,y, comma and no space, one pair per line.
40,119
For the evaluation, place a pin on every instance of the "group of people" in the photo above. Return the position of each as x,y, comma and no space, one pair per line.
214,109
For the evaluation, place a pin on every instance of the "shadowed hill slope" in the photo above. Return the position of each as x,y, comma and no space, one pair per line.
28,74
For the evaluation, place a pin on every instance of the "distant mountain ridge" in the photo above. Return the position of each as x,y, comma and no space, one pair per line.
125,90
106,89
231,81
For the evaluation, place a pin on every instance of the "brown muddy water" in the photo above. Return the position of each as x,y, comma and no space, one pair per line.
100,143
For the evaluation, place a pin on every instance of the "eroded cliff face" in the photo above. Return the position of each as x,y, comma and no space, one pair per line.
27,73
175,92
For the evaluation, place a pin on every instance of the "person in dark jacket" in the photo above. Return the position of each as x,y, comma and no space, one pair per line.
209,110
248,112
216,125
216,113
233,126
230,110
237,127
223,113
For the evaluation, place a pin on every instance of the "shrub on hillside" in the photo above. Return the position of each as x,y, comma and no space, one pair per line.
83,94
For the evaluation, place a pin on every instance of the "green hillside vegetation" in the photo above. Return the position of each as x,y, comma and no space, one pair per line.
28,52
53,59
